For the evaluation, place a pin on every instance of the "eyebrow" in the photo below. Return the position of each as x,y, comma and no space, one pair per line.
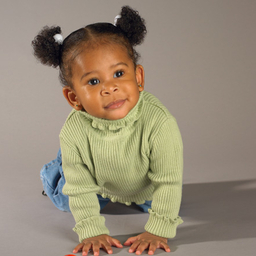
119,63
86,74
115,65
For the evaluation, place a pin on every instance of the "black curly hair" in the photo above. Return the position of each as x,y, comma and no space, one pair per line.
128,32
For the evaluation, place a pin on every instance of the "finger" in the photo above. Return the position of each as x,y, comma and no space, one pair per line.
115,242
134,246
143,245
152,248
78,248
86,248
165,247
106,246
130,240
96,248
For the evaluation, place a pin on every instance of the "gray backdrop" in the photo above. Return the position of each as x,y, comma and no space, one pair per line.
199,58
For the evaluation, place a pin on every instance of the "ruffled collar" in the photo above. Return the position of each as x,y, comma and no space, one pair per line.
113,125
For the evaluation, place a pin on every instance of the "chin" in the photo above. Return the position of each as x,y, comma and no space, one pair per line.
117,116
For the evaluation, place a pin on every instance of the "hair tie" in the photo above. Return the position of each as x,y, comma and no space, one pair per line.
116,18
58,38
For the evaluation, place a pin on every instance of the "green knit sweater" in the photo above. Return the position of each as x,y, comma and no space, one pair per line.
133,159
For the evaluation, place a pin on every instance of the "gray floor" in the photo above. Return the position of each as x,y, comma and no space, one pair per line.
199,59
219,219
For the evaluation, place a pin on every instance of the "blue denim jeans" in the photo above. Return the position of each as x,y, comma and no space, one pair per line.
53,181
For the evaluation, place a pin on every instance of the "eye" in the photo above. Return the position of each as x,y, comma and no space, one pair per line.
119,73
93,81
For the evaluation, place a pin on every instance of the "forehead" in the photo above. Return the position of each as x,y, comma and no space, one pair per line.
100,56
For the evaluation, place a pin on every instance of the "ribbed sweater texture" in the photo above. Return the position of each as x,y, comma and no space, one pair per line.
137,158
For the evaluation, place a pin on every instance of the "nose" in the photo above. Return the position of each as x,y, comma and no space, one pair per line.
109,89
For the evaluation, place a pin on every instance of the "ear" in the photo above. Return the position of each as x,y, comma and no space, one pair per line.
140,77
70,96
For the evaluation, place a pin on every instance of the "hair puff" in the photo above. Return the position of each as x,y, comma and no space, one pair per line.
132,25
46,49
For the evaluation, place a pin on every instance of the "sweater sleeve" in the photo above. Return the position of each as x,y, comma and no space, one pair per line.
82,190
166,168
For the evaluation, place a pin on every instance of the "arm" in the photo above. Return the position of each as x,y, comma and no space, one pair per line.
82,190
166,168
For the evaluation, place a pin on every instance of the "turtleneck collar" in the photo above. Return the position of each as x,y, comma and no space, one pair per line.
112,125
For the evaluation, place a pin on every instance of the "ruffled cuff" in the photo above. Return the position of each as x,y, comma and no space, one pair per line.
90,227
162,226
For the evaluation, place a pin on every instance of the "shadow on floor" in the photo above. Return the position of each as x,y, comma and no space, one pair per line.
220,211
120,209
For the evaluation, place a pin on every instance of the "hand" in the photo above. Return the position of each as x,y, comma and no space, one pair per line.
97,242
147,240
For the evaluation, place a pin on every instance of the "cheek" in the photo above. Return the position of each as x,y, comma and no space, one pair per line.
86,94
90,100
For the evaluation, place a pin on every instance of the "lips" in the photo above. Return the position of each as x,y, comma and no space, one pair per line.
115,104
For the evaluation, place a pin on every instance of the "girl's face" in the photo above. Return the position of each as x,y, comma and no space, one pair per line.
105,82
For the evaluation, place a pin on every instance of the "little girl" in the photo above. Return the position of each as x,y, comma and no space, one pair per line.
119,142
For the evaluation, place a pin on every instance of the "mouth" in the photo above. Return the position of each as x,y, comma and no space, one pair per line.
115,104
